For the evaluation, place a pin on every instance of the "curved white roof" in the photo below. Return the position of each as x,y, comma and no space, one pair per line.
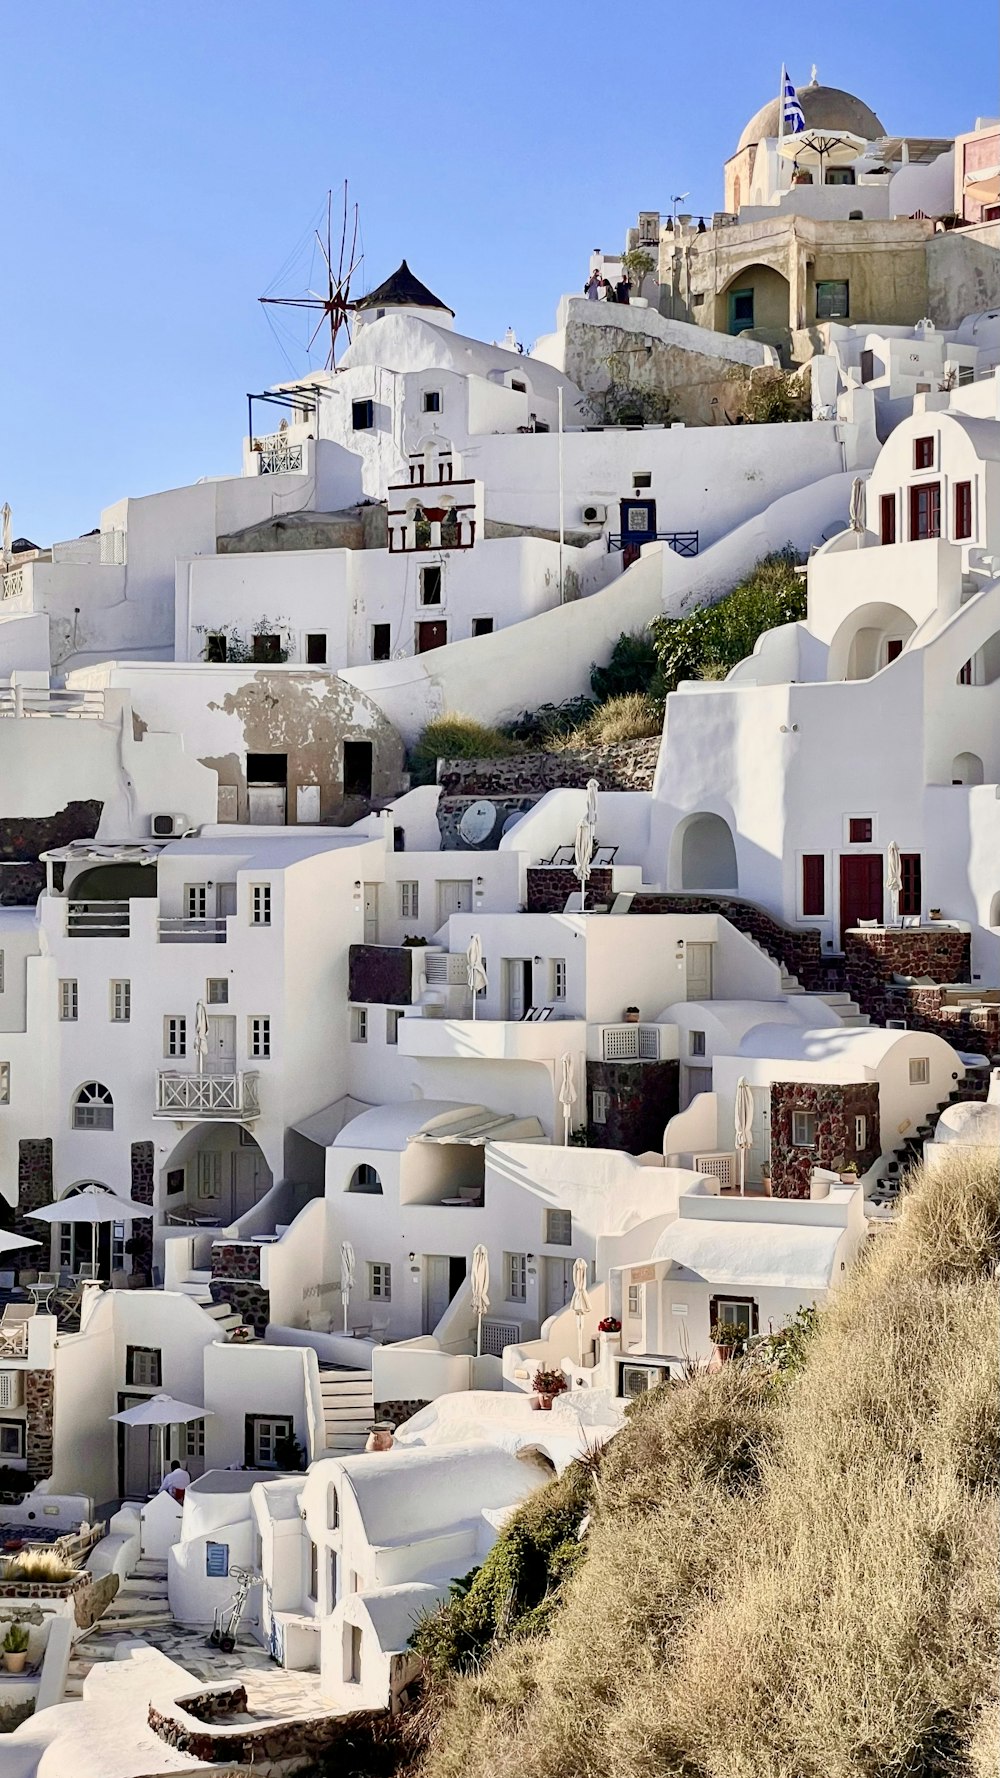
983,435
414,1492
970,1122
392,1126
865,1045
751,1254
394,1612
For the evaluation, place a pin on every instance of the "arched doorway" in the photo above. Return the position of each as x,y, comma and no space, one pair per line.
756,299
967,768
706,855
90,1244
215,1174
868,640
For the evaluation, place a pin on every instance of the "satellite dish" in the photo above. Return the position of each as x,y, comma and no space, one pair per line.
512,820
478,823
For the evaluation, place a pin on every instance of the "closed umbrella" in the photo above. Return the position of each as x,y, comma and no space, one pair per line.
858,504
893,879
591,815
744,1125
201,1035
580,1304
583,852
346,1276
7,534
475,969
161,1411
567,1092
480,1281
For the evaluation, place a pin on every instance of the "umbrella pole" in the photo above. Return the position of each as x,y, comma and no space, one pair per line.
743,1169
479,1336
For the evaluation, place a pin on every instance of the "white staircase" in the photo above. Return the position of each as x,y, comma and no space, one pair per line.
348,1410
197,1285
139,1605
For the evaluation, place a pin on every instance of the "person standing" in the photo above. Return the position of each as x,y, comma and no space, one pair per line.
623,290
609,291
592,288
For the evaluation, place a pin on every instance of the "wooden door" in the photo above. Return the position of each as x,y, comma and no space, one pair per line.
860,888
432,633
759,1154
437,1293
454,897
699,972
221,1058
558,1285
925,510
247,1181
266,805
371,913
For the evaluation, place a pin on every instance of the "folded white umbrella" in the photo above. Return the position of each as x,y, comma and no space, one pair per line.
201,1034
480,1283
592,793
567,1092
893,878
580,1303
346,1276
583,852
858,503
91,1205
744,1124
475,969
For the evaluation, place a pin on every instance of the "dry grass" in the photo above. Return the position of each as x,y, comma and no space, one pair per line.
630,717
38,1565
788,1582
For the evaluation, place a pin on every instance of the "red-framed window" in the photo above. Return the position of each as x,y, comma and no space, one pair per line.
963,510
925,510
910,893
813,883
859,830
923,453
887,518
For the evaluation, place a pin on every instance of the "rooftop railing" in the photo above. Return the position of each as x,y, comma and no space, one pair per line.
38,700
176,929
683,543
97,919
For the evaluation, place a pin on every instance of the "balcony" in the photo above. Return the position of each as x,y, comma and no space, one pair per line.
38,700
488,1039
191,1096
277,457
97,919
628,1043
177,929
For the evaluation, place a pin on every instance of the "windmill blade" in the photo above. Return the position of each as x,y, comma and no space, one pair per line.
316,330
325,253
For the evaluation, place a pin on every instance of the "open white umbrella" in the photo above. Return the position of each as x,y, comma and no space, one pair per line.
346,1276
858,505
9,1242
580,1304
893,879
822,148
567,1092
91,1205
480,1282
161,1411
744,1125
201,1035
583,852
475,969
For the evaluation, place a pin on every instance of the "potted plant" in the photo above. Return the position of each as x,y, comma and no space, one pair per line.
15,1648
729,1338
849,1173
547,1385
610,1325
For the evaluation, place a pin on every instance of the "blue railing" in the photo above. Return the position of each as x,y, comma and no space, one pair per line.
683,543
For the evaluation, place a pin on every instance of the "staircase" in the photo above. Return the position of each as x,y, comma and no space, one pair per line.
974,1085
839,1001
139,1605
197,1285
348,1410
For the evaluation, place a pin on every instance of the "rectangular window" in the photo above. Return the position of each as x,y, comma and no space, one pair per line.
432,401
696,1043
4,1083
143,1367
217,990
313,1570
833,299
264,1435
409,901
359,1024
859,830
925,511
813,884
893,649
635,1300
515,1269
557,978
332,1508
380,1281
965,677
920,1071
430,585
175,1181
911,894
353,1651
559,1228
121,1002
923,453
519,387
803,1129
259,1035
208,1182
860,1133
381,642
193,1439
393,1015
740,310
642,478
69,1000
963,510
599,1101
482,626
175,1035
362,416
333,1579
216,649
887,518
316,648
267,647
260,904
195,901
12,1438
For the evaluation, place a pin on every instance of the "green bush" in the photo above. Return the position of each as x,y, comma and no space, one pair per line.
709,642
768,396
539,728
454,736
633,667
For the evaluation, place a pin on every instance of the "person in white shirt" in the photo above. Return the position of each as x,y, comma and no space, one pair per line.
175,1481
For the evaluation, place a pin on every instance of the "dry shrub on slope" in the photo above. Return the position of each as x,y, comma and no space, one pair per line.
787,1581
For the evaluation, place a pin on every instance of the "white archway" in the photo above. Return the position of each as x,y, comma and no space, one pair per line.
867,640
967,768
705,855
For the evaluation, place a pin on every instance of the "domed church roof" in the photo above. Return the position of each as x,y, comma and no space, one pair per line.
824,108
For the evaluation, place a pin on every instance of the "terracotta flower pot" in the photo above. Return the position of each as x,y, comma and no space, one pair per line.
545,1403
14,1663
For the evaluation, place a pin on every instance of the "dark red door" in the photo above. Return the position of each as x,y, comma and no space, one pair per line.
431,635
860,888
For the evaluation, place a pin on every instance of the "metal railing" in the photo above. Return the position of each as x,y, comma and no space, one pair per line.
206,1095
277,457
97,919
683,543
630,1043
39,700
12,585
177,929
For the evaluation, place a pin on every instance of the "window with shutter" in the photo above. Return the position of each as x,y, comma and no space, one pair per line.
559,1228
910,895
813,884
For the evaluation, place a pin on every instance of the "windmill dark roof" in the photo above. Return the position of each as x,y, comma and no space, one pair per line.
402,290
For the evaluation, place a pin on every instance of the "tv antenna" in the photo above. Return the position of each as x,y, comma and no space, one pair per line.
330,307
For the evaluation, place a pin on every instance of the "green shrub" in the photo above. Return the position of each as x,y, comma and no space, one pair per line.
633,666
767,396
550,722
454,736
709,642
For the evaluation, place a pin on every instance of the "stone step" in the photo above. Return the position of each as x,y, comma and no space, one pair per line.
346,1392
344,1445
344,1376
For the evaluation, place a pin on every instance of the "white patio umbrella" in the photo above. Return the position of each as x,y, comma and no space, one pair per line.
91,1205
8,540
475,969
161,1411
822,148
201,1035
858,505
591,814
480,1281
583,852
580,1303
9,1242
346,1276
744,1125
893,878
567,1092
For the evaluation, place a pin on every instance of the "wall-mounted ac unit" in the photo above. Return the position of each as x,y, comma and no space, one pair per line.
637,1378
11,1389
594,513
167,827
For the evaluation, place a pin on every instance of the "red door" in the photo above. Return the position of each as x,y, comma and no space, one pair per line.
431,635
860,888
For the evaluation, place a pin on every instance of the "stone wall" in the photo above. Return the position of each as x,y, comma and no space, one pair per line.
642,1098
140,1235
192,1728
380,975
23,839
34,1190
628,765
236,1281
874,956
550,886
39,1402
398,1411
836,1108
975,1028
798,948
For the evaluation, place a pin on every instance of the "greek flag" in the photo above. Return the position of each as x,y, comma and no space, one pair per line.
792,120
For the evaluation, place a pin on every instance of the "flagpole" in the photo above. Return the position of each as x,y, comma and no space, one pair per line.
781,102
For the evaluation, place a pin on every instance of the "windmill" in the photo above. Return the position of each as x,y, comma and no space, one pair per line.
332,308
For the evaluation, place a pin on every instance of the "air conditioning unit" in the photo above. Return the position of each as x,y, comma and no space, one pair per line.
896,1025
594,514
11,1389
167,827
637,1378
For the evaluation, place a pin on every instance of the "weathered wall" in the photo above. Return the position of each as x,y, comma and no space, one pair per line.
642,1098
963,273
836,1108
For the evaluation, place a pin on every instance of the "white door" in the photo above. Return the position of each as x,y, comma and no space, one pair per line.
437,1293
558,1284
247,1180
759,1154
225,899
699,972
139,1453
221,1057
371,913
517,986
307,803
266,805
454,897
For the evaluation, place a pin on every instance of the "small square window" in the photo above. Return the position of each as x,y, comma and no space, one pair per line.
923,453
833,299
359,1024
143,1367
432,401
515,1266
121,1002
803,1129
559,1228
195,901
696,1043
381,642
12,1438
259,1035
175,1181
175,1035
260,904
393,1015
316,648
216,648
920,1071
380,1282
69,1000
859,830
642,478
267,647
193,1439
599,1101
518,387
430,585
557,979
634,1300
482,626
217,990
409,901
362,416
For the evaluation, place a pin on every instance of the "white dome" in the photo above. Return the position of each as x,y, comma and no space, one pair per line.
970,1122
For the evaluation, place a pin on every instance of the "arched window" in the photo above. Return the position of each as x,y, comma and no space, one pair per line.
707,854
93,1107
995,910
365,1179
967,768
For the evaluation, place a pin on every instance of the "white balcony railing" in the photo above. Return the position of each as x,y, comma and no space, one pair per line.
277,457
97,919
630,1043
12,584
184,1096
38,700
176,929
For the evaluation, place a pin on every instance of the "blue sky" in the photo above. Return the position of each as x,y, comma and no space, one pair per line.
162,160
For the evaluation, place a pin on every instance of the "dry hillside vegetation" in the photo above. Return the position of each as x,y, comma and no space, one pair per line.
786,1575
